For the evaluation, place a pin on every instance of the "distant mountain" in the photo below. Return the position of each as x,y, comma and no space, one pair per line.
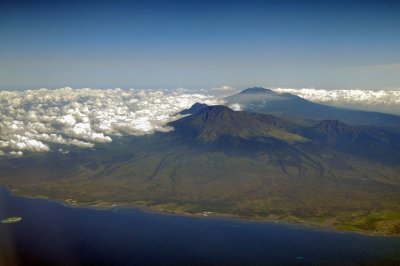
287,105
256,90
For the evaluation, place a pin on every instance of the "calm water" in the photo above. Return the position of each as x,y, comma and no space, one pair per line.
51,234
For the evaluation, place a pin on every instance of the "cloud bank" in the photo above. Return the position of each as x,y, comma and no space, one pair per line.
44,120
35,120
381,100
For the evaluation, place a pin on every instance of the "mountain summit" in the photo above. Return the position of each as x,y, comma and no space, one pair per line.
334,132
213,122
261,100
256,90
330,127
195,108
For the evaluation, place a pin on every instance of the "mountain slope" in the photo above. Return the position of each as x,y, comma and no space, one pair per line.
213,122
288,105
373,143
255,173
226,128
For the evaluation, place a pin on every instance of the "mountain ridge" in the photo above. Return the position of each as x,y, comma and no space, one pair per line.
261,100
211,122
230,162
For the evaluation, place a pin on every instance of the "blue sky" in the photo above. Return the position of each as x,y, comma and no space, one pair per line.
168,44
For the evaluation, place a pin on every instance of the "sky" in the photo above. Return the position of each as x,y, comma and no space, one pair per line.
197,44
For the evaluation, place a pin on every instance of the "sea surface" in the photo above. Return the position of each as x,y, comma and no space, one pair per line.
52,234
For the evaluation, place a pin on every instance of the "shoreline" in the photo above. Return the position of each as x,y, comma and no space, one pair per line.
69,203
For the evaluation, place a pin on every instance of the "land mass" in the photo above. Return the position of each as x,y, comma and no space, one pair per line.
223,162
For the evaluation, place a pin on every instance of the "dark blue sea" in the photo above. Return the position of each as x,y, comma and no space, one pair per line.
52,234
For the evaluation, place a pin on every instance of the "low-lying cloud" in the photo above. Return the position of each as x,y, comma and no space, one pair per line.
42,120
34,120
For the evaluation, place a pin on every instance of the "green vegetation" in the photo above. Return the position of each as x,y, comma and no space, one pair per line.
375,221
10,220
345,193
212,164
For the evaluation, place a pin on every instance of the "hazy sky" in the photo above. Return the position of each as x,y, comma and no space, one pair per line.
323,44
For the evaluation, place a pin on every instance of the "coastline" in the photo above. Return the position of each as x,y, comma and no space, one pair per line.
69,203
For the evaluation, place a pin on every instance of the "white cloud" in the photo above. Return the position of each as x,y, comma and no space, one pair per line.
24,143
223,88
235,107
16,153
222,91
34,119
